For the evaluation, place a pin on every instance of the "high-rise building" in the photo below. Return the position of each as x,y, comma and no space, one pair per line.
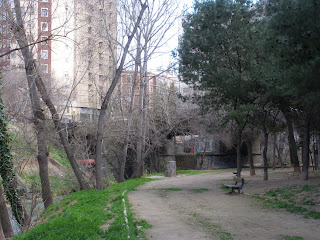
75,50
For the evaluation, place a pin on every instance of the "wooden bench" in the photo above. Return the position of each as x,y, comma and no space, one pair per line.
236,185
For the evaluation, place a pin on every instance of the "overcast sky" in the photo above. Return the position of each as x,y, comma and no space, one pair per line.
165,58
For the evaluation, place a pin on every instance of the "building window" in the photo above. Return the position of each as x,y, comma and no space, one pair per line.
44,12
66,74
89,30
44,26
45,0
100,44
45,68
44,54
100,67
44,41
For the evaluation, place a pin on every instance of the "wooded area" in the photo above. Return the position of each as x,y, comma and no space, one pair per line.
254,67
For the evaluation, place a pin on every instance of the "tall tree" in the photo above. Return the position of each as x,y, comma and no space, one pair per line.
106,100
216,57
158,20
34,77
294,44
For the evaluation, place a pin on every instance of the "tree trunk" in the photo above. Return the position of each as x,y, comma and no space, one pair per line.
104,106
5,223
129,124
38,121
202,156
31,70
265,148
2,237
137,167
292,144
279,155
239,141
149,150
264,153
274,152
305,147
250,158
42,157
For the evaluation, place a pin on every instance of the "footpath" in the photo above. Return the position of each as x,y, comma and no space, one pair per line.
195,207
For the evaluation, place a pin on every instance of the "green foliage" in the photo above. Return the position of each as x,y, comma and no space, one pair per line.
80,216
216,55
292,52
6,166
59,156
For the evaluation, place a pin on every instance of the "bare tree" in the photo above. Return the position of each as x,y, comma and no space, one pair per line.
105,103
34,78
159,18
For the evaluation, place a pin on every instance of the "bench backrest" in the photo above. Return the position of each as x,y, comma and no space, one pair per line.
239,180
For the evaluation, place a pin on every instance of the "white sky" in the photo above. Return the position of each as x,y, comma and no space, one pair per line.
164,60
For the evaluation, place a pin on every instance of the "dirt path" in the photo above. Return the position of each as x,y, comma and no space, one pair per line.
214,214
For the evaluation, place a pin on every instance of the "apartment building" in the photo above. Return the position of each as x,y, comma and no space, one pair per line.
75,53
158,86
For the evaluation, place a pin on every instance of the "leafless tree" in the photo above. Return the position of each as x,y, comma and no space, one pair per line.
106,100
35,82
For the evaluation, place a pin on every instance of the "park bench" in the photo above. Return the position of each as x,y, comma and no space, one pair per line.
238,185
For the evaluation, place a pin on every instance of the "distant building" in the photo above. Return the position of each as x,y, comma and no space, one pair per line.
75,58
157,85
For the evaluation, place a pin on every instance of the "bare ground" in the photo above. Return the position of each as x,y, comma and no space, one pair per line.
215,214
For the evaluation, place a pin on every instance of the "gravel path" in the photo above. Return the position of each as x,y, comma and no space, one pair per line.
215,214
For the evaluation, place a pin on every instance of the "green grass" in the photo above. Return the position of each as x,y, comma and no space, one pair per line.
155,174
191,172
289,198
195,172
59,156
80,215
292,238
200,190
170,189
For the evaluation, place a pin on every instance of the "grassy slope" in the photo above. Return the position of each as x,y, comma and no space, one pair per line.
80,215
